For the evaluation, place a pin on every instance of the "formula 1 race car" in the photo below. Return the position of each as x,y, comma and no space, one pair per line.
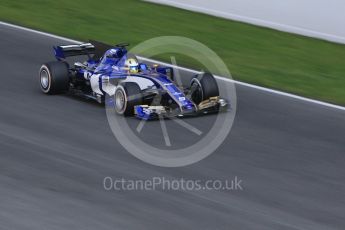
112,75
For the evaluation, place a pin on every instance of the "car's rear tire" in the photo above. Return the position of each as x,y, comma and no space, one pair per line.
127,95
54,77
203,87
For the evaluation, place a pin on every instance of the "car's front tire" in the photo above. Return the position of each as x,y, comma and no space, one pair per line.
127,95
203,87
54,77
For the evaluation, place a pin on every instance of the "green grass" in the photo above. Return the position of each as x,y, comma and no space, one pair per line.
292,63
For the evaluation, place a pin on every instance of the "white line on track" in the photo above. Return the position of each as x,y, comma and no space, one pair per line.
192,71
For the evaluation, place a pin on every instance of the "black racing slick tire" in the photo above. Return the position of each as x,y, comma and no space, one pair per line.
127,95
203,87
54,77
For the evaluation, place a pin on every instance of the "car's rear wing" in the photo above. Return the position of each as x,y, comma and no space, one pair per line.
93,49
61,52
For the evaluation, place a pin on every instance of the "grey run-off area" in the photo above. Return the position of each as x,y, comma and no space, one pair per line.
315,18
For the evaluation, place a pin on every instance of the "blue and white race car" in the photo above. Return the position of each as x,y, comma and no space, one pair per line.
113,76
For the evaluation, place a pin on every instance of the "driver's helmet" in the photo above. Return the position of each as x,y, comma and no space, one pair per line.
132,65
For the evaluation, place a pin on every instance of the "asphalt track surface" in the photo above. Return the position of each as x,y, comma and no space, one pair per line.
56,150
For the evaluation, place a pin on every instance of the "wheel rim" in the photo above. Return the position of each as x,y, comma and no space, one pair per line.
44,79
196,92
120,101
